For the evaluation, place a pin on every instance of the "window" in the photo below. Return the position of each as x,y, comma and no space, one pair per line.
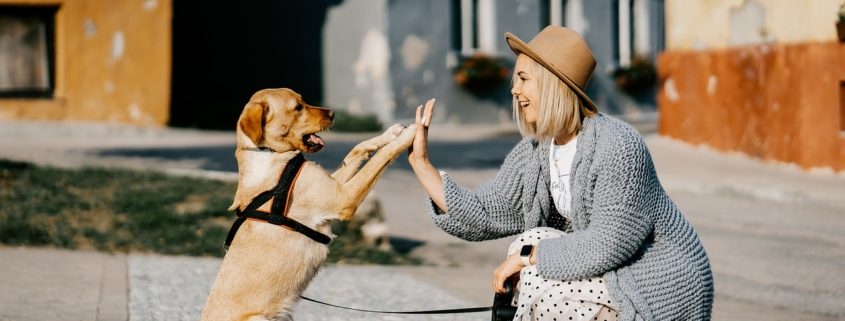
623,27
842,107
614,28
27,60
473,26
661,28
553,12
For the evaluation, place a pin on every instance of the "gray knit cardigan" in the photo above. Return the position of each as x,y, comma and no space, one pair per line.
624,226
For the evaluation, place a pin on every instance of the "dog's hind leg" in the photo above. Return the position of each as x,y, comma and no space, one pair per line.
255,317
361,152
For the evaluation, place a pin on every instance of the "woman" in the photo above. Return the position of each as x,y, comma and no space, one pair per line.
582,190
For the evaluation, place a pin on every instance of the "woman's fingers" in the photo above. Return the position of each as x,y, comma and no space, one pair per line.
423,117
499,281
498,286
418,150
512,265
422,130
429,109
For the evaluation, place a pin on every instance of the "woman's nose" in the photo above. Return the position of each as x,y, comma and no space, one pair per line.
515,89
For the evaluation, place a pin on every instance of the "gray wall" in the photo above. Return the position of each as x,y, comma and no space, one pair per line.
415,59
356,59
419,42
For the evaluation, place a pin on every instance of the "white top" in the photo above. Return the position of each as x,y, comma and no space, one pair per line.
560,165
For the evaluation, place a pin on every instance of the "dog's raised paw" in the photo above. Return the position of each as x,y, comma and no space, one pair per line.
394,130
407,135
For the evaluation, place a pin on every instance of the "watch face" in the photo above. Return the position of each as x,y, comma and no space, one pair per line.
526,250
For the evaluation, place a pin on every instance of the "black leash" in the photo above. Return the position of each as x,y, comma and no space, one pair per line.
446,311
502,308
279,210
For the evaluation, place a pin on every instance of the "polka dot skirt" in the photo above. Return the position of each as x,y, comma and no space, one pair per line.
542,299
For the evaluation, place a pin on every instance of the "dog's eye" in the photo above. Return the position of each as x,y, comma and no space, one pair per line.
298,107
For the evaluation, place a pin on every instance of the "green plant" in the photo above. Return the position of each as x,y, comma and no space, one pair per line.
840,24
480,73
842,13
346,122
637,78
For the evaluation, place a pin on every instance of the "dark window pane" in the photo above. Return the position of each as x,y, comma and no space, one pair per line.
456,25
26,51
545,13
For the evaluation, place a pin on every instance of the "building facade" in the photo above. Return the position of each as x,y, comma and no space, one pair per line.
85,60
166,62
407,51
761,77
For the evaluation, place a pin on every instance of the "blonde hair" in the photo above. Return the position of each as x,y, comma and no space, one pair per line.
560,108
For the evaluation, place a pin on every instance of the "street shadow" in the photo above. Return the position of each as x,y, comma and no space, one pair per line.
483,154
404,245
212,158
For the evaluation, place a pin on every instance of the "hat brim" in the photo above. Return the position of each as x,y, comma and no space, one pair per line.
520,47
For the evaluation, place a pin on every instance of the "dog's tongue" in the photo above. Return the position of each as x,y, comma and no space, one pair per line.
314,139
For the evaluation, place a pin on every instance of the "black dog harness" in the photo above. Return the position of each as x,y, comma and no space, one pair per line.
278,216
279,210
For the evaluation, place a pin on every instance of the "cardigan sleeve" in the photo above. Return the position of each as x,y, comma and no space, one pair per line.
620,221
494,209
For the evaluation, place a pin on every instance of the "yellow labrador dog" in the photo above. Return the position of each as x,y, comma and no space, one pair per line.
268,266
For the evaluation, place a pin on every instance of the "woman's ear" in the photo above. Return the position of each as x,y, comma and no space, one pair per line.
252,120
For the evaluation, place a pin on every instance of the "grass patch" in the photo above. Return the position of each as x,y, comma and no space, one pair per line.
145,211
346,122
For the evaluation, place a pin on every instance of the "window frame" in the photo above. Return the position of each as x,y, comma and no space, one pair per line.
47,14
473,27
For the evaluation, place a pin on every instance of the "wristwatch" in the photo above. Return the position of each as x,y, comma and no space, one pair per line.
525,254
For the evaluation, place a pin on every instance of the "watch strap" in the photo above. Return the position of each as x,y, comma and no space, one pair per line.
525,254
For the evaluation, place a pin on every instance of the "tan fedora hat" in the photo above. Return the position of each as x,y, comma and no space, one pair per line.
563,52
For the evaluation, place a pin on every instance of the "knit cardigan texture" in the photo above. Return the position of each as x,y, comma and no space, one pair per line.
624,226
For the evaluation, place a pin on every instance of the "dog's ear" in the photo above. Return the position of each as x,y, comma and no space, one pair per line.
252,120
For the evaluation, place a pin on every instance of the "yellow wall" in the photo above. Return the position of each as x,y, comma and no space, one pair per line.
706,24
113,63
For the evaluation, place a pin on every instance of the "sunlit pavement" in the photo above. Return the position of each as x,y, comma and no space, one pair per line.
772,231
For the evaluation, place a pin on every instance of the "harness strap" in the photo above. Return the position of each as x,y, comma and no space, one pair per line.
232,231
281,195
288,223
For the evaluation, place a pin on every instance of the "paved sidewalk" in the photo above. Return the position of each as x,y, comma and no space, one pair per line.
701,169
49,284
773,232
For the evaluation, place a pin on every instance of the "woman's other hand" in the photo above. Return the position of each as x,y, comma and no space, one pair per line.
512,265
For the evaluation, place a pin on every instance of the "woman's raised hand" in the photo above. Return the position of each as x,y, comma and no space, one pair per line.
418,153
418,158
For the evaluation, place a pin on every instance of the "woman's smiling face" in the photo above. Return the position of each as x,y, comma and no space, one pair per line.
526,89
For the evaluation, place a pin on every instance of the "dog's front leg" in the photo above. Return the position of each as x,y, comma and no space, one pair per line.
354,191
362,151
